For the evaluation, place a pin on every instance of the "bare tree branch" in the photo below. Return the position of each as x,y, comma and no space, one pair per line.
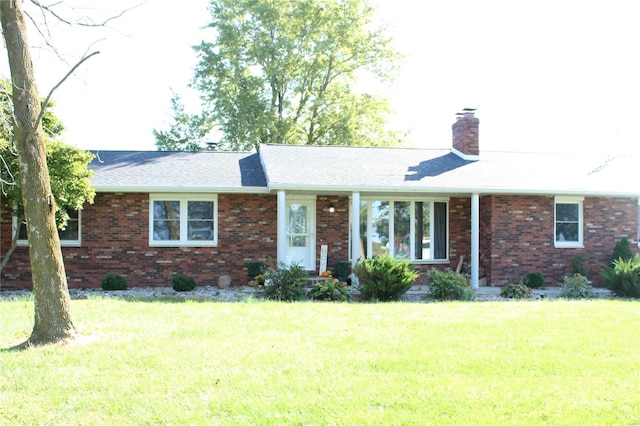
82,24
48,98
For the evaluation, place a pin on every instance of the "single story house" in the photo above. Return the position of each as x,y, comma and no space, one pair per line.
207,214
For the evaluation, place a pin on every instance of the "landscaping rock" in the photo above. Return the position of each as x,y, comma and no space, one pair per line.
224,282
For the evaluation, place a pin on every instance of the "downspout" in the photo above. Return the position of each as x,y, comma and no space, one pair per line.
475,239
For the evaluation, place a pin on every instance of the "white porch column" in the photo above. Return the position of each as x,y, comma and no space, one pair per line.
355,228
282,226
475,239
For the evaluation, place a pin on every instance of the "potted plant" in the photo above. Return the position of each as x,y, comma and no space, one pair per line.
342,271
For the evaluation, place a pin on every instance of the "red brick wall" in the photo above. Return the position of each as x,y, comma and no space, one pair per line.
332,229
517,236
115,238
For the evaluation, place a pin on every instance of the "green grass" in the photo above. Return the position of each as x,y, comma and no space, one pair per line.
551,362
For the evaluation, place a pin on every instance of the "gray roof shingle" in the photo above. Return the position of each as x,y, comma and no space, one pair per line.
149,171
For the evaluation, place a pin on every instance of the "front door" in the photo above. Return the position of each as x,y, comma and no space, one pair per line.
301,230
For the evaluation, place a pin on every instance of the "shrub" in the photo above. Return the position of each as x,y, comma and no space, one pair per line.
533,280
342,269
515,291
577,266
623,277
114,282
576,286
449,286
383,278
330,289
622,250
183,283
285,282
256,268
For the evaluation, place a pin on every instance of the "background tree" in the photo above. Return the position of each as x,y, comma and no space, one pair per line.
53,322
286,71
68,169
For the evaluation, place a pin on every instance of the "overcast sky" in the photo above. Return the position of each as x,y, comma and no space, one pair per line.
544,75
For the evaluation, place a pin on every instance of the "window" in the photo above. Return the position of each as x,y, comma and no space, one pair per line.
406,229
568,222
70,236
183,220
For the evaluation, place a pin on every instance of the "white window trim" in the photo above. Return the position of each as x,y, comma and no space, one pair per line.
63,243
183,199
412,200
569,200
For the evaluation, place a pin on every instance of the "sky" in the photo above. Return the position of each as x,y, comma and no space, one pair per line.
545,75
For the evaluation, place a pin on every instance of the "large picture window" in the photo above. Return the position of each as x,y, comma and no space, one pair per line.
69,236
568,222
405,229
183,220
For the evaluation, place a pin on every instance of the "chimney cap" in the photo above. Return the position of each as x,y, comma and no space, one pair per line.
466,112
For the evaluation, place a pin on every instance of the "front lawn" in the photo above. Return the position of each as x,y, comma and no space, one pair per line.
533,362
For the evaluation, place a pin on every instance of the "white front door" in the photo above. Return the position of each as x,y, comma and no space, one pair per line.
301,232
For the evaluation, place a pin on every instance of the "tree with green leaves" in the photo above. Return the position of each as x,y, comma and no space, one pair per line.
286,71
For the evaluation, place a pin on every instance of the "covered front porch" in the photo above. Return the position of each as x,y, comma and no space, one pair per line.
429,229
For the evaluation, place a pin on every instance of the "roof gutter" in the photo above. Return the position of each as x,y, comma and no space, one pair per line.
453,190
198,189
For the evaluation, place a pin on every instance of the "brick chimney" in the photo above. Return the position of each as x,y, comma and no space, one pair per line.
465,135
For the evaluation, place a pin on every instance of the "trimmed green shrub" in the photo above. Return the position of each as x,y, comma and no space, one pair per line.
383,278
622,250
533,280
183,283
449,285
515,291
623,277
114,282
577,266
330,289
576,286
256,268
286,282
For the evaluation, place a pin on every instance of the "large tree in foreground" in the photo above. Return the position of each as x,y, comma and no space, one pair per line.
53,322
286,71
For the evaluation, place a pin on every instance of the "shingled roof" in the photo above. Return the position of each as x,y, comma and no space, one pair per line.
299,167
156,171
340,169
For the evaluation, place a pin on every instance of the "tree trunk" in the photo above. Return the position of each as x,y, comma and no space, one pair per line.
53,322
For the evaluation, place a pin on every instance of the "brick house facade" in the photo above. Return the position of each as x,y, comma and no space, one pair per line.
505,223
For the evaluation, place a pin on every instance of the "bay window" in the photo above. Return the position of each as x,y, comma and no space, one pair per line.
405,229
177,220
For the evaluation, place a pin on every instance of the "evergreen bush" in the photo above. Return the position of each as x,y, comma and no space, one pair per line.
383,278
286,282
114,282
623,277
183,283
622,250
449,285
533,280
577,266
256,268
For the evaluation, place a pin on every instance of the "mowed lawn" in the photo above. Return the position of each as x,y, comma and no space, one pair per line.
255,363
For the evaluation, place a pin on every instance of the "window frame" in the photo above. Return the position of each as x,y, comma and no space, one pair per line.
63,242
184,200
412,206
579,201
